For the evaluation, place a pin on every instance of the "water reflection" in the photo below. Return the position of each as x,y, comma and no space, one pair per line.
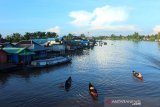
4,78
28,73
158,44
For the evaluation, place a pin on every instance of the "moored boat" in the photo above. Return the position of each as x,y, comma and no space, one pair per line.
93,91
49,62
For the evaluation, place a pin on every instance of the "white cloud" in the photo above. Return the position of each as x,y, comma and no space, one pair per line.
156,29
102,18
55,29
108,15
81,18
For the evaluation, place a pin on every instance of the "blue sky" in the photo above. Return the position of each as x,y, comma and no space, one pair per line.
73,16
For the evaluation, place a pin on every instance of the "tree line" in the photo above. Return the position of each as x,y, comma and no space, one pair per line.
135,37
16,37
71,36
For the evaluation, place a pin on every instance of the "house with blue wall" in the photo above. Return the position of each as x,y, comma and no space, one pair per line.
51,44
19,55
41,42
40,51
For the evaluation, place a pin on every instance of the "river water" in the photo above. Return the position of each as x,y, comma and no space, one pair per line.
108,68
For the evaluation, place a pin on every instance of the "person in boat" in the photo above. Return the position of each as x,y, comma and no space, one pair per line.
70,79
93,91
91,86
68,83
137,74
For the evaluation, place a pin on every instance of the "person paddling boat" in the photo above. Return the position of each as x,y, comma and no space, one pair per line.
93,91
68,83
138,75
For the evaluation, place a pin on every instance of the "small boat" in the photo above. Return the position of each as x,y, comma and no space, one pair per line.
136,74
68,84
49,62
93,91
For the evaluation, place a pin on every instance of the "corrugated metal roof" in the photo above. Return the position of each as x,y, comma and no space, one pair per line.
52,39
40,41
13,50
18,51
31,45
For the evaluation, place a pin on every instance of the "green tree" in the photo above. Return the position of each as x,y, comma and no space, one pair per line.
152,37
9,38
158,36
16,37
0,36
39,35
113,36
120,37
27,36
51,35
135,36
82,36
69,36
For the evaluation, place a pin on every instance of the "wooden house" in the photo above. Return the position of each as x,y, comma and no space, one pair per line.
6,44
41,42
3,57
19,55
53,41
2,40
51,44
40,51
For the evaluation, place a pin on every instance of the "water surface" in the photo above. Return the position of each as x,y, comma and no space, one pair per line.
108,67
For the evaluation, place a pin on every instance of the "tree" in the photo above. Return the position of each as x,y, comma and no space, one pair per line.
69,36
8,38
152,37
51,35
39,35
136,36
27,36
48,34
82,36
0,36
120,37
16,37
113,36
158,36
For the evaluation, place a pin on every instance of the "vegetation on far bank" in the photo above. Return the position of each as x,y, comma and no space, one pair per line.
16,37
135,37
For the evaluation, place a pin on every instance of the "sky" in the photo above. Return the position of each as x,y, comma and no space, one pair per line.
91,17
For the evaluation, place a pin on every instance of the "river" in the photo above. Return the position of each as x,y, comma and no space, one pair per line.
108,68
